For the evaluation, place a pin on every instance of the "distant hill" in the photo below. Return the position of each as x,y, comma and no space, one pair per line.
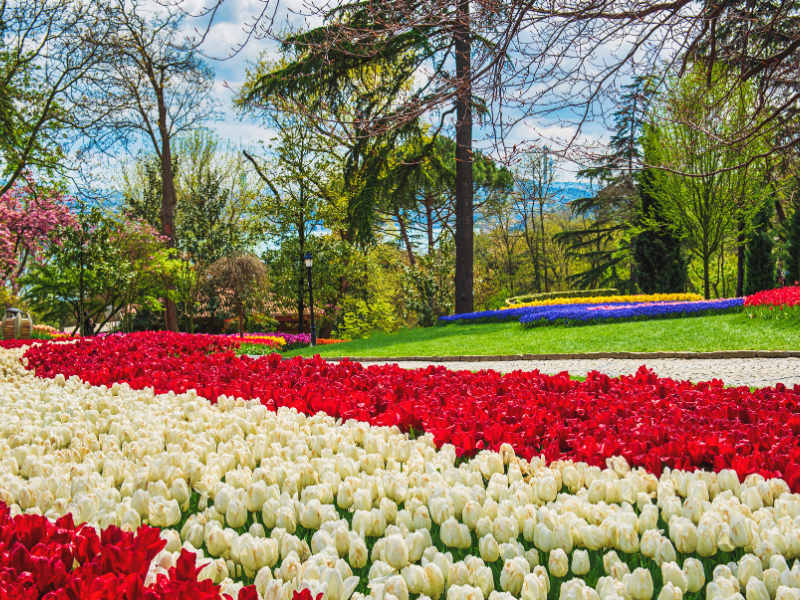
567,191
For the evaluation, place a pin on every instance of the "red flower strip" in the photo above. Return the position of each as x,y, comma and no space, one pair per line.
652,422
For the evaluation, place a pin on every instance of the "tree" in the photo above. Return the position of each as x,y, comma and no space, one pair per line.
702,208
304,194
84,271
534,178
792,258
152,85
238,275
30,218
394,40
48,48
759,259
660,265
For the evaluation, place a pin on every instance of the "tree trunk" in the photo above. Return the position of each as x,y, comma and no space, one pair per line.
544,247
429,220
168,202
241,319
464,191
300,305
740,239
706,277
404,234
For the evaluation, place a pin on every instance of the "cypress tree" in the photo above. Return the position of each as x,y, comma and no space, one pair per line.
792,258
759,271
660,265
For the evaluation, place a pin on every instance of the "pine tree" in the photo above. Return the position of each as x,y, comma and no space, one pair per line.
659,262
759,261
792,258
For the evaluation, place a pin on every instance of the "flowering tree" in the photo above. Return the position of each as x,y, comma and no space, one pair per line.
29,219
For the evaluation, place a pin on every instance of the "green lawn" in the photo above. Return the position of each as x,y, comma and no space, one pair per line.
698,334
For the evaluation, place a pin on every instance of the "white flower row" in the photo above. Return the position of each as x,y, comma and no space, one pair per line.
288,501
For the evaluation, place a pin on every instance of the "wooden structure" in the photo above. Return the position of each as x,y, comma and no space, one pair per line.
16,325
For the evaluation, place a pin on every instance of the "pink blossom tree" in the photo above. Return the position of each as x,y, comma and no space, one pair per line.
29,220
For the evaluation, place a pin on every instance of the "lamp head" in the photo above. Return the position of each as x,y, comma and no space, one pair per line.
308,259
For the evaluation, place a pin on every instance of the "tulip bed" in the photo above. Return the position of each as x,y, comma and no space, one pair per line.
652,422
778,303
178,497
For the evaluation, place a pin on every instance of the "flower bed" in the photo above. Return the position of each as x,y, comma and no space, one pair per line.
588,314
651,422
596,312
778,303
281,506
631,299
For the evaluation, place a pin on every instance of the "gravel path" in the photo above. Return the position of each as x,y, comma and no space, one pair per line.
752,372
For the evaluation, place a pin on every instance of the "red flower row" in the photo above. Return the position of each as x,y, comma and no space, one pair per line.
785,296
652,422
37,559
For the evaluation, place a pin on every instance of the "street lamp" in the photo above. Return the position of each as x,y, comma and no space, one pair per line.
309,260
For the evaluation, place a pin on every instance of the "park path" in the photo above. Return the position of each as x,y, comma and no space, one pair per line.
752,372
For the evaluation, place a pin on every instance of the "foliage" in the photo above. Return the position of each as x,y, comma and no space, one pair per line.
30,218
564,294
792,257
359,319
98,266
239,276
427,286
660,265
759,258
701,195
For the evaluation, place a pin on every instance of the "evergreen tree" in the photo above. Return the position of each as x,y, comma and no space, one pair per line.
660,265
759,260
792,258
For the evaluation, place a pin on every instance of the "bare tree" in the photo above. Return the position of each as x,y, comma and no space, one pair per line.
48,46
151,86
239,274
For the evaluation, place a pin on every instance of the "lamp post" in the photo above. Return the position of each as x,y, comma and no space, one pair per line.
309,260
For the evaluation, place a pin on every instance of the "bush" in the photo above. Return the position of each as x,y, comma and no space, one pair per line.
563,294
261,323
358,319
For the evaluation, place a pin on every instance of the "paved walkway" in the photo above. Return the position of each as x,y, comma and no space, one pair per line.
752,372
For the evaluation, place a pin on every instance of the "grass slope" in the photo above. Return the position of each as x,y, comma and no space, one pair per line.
698,334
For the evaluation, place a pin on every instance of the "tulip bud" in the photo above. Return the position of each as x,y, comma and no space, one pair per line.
670,592
396,586
546,489
772,581
628,539
558,563
458,574
358,553
685,537
706,541
580,562
484,581
665,552
740,534
593,537
435,579
395,552
640,585
532,588
489,549
672,573
471,513
749,566
263,577
511,577
756,590
695,575
236,514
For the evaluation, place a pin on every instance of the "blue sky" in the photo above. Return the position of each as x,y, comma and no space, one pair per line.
227,34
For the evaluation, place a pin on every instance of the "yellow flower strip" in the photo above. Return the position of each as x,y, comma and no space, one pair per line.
610,300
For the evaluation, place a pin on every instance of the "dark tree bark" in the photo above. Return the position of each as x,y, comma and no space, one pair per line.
740,240
464,190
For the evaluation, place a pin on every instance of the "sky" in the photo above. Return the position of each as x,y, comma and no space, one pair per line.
230,51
